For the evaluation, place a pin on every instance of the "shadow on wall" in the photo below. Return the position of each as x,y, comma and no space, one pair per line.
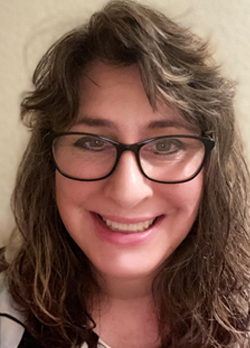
8,251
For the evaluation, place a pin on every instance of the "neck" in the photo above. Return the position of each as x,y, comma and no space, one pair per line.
126,289
126,315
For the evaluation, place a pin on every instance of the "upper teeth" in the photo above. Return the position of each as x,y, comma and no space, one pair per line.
139,227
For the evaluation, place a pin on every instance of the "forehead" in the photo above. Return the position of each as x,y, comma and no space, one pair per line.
116,95
104,80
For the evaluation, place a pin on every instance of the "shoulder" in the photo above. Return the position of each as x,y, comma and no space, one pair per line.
11,319
13,333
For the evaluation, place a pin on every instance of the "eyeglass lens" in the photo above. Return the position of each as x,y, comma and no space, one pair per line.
89,157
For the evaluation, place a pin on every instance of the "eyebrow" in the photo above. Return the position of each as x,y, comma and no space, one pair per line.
175,123
158,124
95,122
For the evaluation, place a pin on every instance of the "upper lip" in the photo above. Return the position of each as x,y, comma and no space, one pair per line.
127,220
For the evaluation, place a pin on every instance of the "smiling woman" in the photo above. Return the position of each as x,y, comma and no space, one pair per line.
127,197
132,196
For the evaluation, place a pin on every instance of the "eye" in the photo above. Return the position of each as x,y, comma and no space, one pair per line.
89,143
167,146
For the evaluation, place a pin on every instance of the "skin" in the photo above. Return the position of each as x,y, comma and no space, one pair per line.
116,106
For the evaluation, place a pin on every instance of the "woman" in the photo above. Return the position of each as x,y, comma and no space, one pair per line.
132,196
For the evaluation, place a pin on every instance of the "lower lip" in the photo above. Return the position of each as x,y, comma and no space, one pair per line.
119,238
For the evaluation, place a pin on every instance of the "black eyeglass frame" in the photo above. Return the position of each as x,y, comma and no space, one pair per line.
135,148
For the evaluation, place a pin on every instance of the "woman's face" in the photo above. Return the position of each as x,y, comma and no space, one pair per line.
113,104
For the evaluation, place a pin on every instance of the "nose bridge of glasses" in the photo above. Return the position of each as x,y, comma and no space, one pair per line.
125,147
134,148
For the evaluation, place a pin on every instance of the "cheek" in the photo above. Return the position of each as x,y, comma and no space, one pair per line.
185,196
70,197
72,193
182,202
74,200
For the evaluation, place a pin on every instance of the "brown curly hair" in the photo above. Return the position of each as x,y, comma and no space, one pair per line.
202,293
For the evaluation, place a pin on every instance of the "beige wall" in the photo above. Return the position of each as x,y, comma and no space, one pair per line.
28,27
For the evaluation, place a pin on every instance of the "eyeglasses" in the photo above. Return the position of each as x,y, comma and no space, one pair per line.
167,159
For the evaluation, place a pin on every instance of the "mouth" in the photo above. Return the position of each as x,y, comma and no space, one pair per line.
128,227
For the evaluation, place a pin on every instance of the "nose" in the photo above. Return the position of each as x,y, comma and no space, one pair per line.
127,186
